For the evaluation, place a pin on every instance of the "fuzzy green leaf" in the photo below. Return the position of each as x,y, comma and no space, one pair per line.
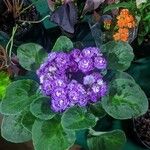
13,131
113,140
40,108
63,44
77,118
119,55
49,135
19,95
125,100
31,56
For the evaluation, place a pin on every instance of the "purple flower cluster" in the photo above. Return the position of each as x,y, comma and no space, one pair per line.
73,78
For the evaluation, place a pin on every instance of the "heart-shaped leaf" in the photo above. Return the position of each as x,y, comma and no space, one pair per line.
49,135
40,108
77,118
125,100
19,95
31,56
63,44
65,16
119,54
113,140
13,131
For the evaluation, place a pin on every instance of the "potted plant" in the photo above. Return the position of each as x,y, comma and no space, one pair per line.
73,91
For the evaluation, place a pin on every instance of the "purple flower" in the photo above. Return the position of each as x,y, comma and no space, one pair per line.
52,56
100,89
76,55
92,96
62,60
73,78
46,87
97,76
73,66
100,62
91,51
86,65
104,89
59,105
88,80
58,93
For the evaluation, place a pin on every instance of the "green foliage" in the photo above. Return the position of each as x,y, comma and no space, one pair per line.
49,135
31,56
77,118
144,23
113,6
40,108
140,70
125,100
4,82
113,140
97,110
19,95
13,131
119,55
28,120
63,44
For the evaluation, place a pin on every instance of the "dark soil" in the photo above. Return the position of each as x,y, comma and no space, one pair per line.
142,128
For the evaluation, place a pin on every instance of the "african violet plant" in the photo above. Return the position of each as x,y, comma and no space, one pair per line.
73,89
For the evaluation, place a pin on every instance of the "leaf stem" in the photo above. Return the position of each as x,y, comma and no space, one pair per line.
11,41
34,22
95,133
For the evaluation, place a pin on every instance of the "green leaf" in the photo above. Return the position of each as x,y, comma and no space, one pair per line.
40,108
77,118
119,54
4,82
49,135
19,95
119,5
97,110
115,74
13,131
63,44
28,120
125,100
31,56
140,70
113,140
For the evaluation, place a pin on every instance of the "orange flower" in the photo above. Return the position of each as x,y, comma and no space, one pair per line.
124,12
122,35
125,21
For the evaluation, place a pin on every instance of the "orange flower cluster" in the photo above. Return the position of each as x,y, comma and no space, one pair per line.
125,21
